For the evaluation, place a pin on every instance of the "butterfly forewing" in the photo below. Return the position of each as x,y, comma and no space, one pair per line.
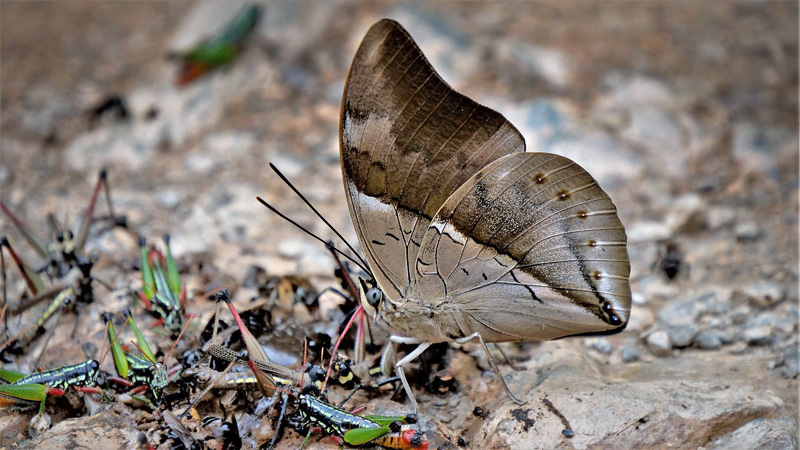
529,248
408,141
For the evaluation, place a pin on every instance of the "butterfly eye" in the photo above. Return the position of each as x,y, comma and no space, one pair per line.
374,296
60,236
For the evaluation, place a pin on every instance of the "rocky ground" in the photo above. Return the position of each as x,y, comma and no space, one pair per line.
685,113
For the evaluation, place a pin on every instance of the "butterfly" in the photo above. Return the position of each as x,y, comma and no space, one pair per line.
468,235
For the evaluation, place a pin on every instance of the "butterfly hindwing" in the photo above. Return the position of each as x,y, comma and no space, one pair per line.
529,248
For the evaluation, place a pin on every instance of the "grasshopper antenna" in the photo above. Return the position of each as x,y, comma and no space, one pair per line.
363,265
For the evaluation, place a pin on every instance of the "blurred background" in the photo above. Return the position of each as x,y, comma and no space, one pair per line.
686,113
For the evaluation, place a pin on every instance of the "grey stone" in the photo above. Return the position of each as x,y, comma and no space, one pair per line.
6,175
791,361
550,64
656,129
168,199
644,231
197,162
629,354
688,214
786,325
761,434
667,403
747,231
764,294
708,340
636,90
727,337
602,345
683,312
757,146
682,336
659,343
740,314
758,335
719,217
764,319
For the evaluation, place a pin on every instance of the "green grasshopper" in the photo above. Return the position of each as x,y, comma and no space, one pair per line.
313,412
162,292
218,50
350,428
143,371
34,388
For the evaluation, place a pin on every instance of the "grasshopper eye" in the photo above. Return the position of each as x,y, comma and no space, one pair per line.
374,297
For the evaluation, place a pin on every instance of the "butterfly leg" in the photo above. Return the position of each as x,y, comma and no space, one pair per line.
476,334
408,358
508,360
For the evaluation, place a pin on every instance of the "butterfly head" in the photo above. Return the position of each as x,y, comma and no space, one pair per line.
371,297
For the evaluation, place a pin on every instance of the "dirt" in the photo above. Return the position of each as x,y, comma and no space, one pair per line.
189,161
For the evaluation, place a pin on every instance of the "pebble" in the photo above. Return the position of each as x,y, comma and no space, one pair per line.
39,424
727,337
740,314
758,335
764,294
659,343
747,231
791,362
200,163
786,325
719,217
641,318
738,348
638,298
682,312
630,354
647,232
688,214
440,401
602,346
444,416
5,175
168,199
682,336
708,340
764,319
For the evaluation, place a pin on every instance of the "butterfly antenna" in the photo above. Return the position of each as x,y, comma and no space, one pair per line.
3,317
305,200
361,264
